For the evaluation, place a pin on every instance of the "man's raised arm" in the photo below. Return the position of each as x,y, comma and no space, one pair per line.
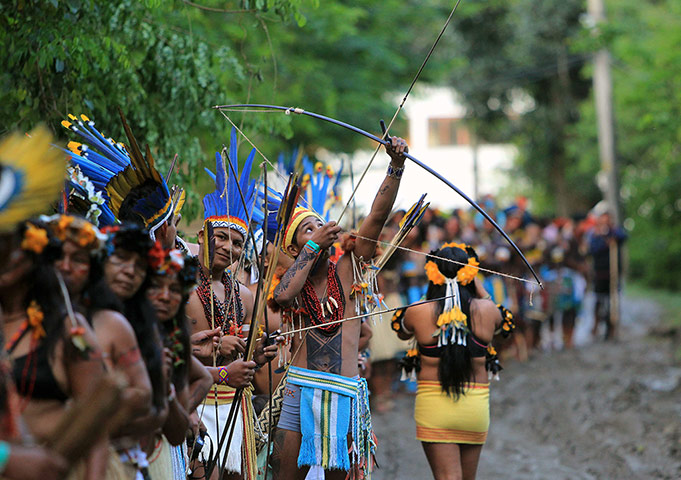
385,198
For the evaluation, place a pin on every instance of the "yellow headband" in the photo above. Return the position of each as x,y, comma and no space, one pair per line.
298,216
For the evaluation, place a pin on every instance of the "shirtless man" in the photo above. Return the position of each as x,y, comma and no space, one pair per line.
219,330
327,357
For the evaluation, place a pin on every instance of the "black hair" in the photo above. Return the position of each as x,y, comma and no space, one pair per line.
187,278
456,367
129,236
44,288
97,295
142,316
139,311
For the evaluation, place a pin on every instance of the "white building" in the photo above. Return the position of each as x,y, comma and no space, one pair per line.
438,138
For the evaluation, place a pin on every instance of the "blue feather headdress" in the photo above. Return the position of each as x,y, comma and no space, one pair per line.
81,197
319,190
323,187
224,207
117,170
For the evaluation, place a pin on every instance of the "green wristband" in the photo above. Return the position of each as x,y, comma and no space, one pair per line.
4,455
313,246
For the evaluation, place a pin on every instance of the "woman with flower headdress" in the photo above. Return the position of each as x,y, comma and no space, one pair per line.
131,256
170,285
80,264
54,353
453,333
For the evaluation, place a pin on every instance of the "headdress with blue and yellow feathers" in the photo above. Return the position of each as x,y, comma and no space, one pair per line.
122,172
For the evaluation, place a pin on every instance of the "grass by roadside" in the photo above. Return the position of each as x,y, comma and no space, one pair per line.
669,301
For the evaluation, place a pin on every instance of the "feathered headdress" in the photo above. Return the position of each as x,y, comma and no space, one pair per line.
323,186
225,207
119,171
82,198
31,173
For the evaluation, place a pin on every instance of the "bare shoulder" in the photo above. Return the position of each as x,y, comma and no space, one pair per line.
113,328
419,317
344,265
245,292
111,319
486,309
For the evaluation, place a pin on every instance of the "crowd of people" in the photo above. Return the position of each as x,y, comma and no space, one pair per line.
134,353
571,254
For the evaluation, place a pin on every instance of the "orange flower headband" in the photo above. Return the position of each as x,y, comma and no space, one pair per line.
464,276
77,230
35,239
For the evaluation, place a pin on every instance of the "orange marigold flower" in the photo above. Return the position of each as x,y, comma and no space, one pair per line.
35,319
62,225
433,273
35,239
467,274
86,235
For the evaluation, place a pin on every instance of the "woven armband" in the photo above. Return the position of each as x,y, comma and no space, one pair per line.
4,455
507,323
312,246
223,376
397,322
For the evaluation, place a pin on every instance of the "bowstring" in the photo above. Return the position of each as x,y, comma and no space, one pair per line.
366,315
399,108
382,242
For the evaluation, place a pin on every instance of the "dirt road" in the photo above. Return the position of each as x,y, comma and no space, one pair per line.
601,411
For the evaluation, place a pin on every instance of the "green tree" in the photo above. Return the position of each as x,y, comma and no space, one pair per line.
522,82
645,42
167,63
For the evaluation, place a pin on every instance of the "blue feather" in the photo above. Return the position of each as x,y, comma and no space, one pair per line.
215,204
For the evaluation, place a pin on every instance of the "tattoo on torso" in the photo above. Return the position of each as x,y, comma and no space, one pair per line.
324,353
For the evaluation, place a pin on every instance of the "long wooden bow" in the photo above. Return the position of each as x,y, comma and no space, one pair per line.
300,111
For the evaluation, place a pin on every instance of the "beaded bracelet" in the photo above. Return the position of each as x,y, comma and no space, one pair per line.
314,248
395,172
4,455
223,375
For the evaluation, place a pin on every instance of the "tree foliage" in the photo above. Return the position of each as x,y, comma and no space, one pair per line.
645,40
522,82
167,63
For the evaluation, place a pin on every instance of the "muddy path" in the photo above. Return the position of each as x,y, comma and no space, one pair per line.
601,411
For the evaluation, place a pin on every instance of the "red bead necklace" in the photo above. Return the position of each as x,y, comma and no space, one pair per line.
334,304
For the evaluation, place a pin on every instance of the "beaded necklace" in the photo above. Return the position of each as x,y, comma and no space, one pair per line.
224,316
334,305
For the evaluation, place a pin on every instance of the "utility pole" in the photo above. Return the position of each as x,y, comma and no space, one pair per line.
605,118
476,175
606,147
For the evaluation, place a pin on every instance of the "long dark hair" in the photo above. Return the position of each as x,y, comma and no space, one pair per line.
44,288
187,278
138,310
456,367
142,317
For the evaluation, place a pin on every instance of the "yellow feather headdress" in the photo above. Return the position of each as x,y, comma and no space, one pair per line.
31,175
